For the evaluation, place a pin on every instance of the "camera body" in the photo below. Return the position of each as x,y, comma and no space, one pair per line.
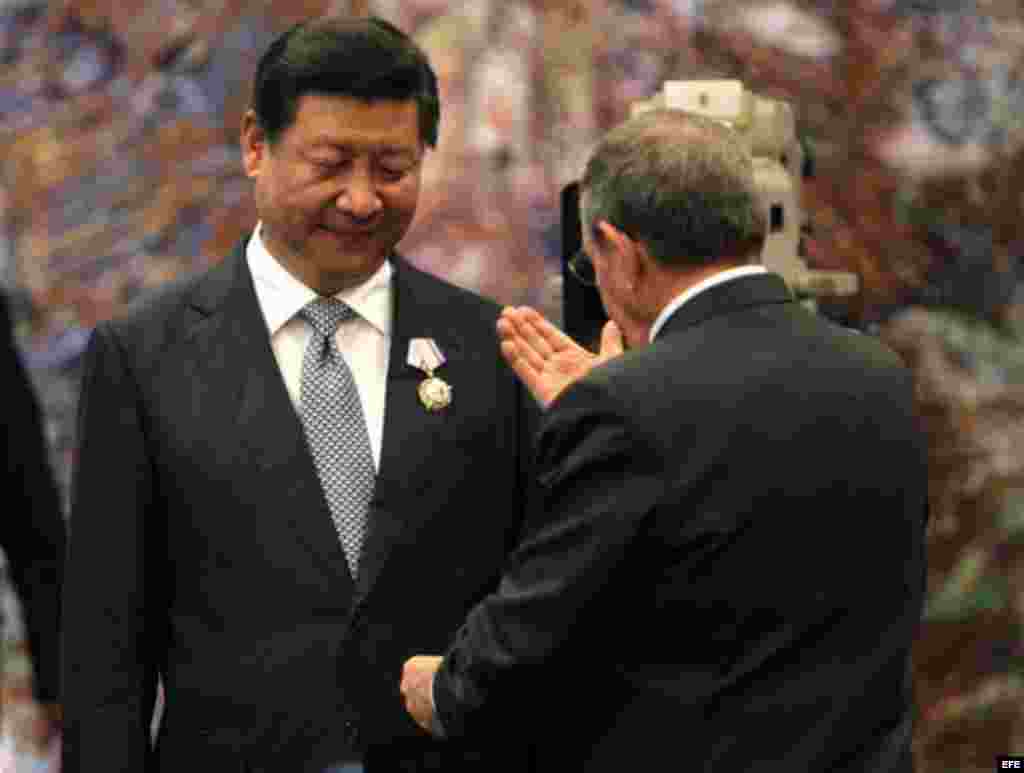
768,128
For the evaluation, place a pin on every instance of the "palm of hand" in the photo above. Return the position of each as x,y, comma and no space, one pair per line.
564,367
546,359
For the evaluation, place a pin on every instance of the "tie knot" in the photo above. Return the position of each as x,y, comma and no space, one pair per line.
325,314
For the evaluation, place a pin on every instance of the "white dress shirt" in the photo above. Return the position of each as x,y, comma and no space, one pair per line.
705,284
364,342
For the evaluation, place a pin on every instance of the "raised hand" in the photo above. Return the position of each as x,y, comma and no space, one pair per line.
546,359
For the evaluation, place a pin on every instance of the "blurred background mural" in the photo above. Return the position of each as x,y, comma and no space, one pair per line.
120,170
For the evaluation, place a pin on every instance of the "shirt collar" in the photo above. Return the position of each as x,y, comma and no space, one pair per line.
705,284
282,295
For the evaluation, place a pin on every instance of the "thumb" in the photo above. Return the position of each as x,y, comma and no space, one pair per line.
612,344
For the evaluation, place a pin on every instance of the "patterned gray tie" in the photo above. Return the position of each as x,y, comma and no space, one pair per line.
335,428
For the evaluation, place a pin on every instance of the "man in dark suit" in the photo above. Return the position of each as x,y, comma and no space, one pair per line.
726,571
33,531
220,544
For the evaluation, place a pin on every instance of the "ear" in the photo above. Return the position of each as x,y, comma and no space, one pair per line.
630,253
254,144
645,264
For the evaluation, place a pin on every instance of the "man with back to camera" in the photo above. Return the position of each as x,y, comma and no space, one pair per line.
726,569
287,462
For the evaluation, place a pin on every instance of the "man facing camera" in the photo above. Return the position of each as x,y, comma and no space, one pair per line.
299,468
726,568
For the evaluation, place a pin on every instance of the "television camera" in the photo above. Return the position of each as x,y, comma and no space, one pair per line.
768,129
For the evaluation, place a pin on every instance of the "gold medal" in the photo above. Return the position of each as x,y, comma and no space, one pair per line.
425,354
435,393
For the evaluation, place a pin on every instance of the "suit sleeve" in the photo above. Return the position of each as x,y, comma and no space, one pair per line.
111,620
529,416
34,533
598,479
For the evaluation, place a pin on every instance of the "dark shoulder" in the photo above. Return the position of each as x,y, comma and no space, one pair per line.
159,302
160,317
735,358
426,285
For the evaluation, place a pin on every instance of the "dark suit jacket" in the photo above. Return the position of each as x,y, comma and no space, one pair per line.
203,553
727,569
33,533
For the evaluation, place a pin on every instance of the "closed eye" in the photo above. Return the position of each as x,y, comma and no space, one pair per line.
393,173
324,167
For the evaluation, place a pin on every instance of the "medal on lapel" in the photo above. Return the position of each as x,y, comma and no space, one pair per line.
435,393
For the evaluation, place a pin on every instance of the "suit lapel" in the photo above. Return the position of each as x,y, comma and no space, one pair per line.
258,414
412,451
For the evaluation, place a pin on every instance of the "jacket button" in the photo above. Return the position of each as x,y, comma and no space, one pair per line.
351,729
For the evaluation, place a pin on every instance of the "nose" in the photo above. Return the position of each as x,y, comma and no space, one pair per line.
358,196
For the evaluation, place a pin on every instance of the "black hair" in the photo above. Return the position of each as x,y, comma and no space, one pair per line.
365,58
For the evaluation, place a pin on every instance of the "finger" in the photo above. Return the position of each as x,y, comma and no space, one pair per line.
531,377
510,352
531,333
527,364
414,710
508,323
506,328
514,326
508,313
612,343
524,343
540,326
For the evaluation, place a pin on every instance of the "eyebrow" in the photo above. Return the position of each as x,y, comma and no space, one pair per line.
385,150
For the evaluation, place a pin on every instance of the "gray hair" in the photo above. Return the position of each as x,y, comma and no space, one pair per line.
680,183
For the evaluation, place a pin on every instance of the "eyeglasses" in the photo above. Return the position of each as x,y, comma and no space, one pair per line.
582,267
